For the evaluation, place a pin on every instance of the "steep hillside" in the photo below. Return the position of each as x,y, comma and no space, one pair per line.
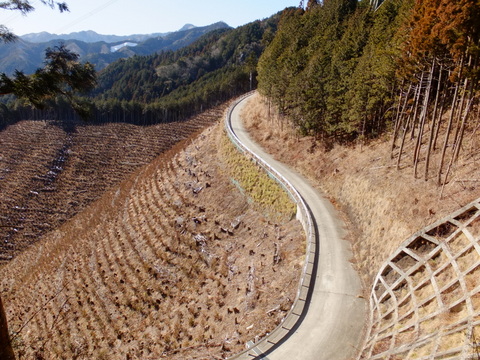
51,170
176,262
383,206
28,56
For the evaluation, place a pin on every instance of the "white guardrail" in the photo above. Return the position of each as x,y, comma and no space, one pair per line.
300,305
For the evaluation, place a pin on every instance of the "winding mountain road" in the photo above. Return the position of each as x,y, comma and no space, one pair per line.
332,327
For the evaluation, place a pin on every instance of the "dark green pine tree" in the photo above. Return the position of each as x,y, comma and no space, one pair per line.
280,62
319,83
62,75
369,98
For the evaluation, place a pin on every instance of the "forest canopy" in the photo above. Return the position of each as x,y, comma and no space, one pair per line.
171,85
340,70
343,72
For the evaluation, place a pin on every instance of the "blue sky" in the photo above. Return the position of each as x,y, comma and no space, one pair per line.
126,17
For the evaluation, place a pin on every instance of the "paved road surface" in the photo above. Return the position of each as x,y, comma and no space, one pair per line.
334,322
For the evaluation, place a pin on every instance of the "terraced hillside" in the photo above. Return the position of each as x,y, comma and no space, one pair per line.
50,171
175,263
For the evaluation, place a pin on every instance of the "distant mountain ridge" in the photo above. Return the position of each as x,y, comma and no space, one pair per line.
89,36
27,54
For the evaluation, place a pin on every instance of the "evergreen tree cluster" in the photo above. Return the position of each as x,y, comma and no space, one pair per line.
343,71
171,85
331,67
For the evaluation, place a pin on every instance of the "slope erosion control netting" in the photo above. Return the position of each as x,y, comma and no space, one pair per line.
425,302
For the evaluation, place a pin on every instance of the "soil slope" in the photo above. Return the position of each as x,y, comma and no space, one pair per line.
50,171
175,262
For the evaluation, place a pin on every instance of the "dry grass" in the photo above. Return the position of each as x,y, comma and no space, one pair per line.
458,243
423,350
472,279
382,205
173,263
262,189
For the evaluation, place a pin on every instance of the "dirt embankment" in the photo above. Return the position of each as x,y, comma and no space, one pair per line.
383,206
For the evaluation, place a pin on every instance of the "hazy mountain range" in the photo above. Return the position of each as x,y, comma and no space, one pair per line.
90,36
27,54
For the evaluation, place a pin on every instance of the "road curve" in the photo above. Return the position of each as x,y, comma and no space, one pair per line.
332,326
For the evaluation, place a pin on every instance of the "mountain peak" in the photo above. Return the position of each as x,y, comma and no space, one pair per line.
187,27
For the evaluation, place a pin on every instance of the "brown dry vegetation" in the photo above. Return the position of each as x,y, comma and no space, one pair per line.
175,262
383,206
433,308
50,171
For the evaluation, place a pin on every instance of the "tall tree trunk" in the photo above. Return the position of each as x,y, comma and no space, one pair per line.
476,127
458,143
460,112
439,118
447,136
400,151
462,130
6,351
415,106
466,113
432,127
269,108
399,119
423,115
449,127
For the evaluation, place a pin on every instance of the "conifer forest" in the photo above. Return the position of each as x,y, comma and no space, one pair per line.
342,70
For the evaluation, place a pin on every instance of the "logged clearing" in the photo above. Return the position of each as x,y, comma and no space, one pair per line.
176,262
50,171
